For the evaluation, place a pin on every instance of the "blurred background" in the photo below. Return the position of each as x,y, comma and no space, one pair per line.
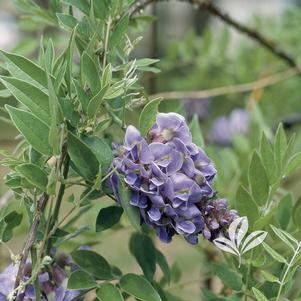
197,52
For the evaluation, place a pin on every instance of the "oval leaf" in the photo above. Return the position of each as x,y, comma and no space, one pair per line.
82,157
80,280
148,116
108,217
259,295
139,287
258,180
142,247
29,95
131,211
109,292
93,263
34,130
34,175
274,254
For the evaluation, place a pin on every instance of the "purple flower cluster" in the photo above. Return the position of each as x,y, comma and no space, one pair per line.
217,218
53,282
169,177
225,128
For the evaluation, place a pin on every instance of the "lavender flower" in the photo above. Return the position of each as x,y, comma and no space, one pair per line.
169,177
217,218
53,282
198,107
225,128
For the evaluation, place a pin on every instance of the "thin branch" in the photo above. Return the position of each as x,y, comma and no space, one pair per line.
214,10
232,89
31,238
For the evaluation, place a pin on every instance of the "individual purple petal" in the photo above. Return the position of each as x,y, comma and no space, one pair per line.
186,226
154,214
132,136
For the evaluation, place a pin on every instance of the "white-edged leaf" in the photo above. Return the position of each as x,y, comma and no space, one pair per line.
285,237
253,240
226,245
238,229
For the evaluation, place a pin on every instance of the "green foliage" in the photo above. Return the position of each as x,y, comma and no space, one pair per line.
132,212
93,263
148,116
108,292
34,130
143,248
108,217
80,280
139,287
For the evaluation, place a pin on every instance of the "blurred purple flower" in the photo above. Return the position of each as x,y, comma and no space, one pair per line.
169,177
225,128
53,281
198,107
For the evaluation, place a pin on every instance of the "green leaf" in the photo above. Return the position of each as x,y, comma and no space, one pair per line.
196,132
82,96
83,157
274,254
258,180
297,213
95,102
24,69
101,150
148,116
268,159
5,93
162,262
284,209
131,211
229,277
143,249
82,5
245,205
146,62
280,146
106,76
49,56
109,292
120,30
56,118
293,164
101,9
259,295
139,287
93,264
29,95
67,20
80,280
90,73
34,175
269,277
8,224
108,217
287,238
34,130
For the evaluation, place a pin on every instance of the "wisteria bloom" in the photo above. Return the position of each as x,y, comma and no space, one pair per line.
225,128
169,177
53,282
198,107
